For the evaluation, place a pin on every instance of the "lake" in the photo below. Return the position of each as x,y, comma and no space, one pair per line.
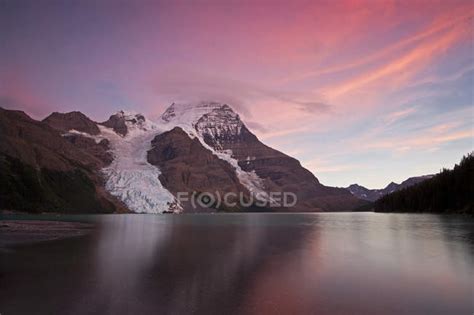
255,263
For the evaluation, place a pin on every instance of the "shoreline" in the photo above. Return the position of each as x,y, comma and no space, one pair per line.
19,232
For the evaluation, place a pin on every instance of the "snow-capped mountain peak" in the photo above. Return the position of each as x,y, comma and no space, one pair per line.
189,113
219,122
214,124
211,121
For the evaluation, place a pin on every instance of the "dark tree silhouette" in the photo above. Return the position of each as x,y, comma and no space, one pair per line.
450,191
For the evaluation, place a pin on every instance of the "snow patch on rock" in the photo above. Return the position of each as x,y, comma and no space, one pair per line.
136,123
74,132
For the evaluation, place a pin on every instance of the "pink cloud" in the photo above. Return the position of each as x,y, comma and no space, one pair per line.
441,23
401,69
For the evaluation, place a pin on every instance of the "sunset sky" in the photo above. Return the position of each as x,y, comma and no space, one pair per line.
364,92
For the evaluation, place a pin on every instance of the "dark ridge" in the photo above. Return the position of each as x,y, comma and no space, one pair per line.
72,120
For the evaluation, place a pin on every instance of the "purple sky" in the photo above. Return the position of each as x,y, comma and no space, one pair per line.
359,91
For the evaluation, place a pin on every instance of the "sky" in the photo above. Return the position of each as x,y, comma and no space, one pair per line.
363,92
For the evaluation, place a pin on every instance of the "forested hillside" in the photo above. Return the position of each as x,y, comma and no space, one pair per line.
448,191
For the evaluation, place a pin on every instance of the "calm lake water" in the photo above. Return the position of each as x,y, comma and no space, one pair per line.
340,263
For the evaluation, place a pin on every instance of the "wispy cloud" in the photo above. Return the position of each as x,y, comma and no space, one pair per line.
416,134
186,84
399,70
442,23
423,141
394,116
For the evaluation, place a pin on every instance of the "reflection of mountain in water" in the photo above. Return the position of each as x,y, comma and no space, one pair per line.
190,268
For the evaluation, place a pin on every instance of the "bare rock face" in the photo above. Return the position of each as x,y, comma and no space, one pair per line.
79,130
41,171
117,123
98,149
122,121
187,166
39,145
72,121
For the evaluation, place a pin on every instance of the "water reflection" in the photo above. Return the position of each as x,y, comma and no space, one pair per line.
124,249
379,265
249,264
200,264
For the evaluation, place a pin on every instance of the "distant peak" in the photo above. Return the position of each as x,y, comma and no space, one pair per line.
391,186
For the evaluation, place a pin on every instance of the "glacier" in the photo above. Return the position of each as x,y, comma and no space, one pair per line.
130,177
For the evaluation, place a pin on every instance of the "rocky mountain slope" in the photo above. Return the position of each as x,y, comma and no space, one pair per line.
143,165
187,166
72,121
374,194
41,170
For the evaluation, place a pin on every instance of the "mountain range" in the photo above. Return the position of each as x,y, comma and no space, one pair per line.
69,163
364,193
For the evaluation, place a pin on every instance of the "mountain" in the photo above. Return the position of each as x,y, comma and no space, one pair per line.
130,162
374,194
72,121
259,168
365,193
41,170
80,130
450,191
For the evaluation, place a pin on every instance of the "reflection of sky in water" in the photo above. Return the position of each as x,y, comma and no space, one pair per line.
371,265
263,264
